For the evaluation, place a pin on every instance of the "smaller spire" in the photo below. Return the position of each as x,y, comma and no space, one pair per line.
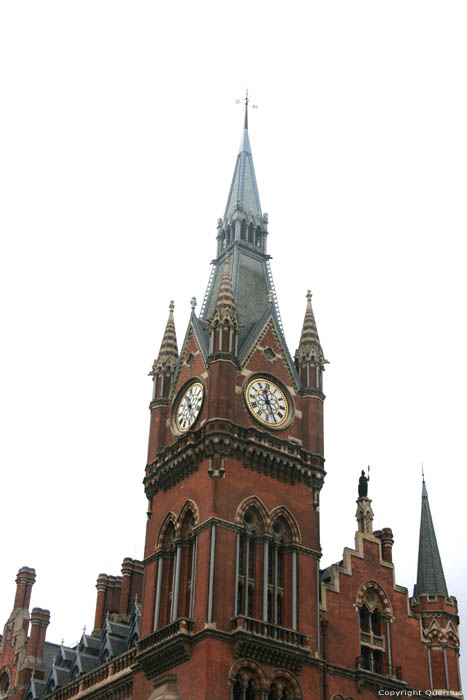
430,574
168,353
225,309
309,351
309,335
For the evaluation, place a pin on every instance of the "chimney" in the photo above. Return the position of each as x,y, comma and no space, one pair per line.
101,585
387,541
25,579
127,573
39,622
33,663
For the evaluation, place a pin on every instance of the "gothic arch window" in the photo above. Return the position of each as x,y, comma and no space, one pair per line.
227,237
187,564
167,564
375,654
243,230
258,237
251,233
249,570
4,682
280,604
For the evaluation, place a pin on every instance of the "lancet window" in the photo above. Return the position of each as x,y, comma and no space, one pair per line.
248,566
266,569
176,571
374,632
281,609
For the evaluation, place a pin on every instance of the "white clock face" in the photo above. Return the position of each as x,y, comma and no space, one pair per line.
189,406
267,402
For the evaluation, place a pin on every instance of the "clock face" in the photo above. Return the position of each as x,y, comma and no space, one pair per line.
189,406
267,402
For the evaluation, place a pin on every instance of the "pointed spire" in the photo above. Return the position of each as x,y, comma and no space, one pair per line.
168,353
430,575
243,196
225,309
309,347
309,356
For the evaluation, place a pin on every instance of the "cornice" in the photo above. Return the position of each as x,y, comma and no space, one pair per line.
270,455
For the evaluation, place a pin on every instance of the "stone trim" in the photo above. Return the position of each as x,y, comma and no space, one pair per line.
270,455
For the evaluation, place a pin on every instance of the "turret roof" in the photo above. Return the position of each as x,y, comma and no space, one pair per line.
309,339
168,352
244,190
430,575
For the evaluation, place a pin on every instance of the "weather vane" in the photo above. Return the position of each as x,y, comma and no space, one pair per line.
246,102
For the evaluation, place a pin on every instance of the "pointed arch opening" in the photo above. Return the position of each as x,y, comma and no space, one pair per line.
243,230
374,622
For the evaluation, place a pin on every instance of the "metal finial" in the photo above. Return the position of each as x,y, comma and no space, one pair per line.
84,629
423,475
308,296
246,102
193,303
171,306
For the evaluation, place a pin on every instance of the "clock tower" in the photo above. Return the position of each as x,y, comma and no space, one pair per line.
235,468
229,602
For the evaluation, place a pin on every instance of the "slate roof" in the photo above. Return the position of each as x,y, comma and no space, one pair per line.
430,575
243,190
251,276
62,664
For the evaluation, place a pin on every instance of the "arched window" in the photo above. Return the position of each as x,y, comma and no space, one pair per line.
248,596
280,574
167,561
187,565
258,237
373,642
243,230
251,233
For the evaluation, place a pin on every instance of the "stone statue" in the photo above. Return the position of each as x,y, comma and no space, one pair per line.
363,484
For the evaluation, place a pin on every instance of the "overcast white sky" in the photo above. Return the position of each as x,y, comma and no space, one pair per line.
118,137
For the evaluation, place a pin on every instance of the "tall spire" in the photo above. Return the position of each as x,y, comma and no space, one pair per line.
430,575
168,353
243,193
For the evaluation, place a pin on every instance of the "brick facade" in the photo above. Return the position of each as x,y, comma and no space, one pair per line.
229,602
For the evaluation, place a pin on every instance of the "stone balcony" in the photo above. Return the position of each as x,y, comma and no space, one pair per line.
266,642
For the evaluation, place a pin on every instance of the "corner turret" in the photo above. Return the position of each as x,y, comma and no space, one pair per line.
164,366
438,611
223,322
309,356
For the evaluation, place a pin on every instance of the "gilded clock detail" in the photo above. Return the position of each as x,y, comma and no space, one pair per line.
189,406
267,402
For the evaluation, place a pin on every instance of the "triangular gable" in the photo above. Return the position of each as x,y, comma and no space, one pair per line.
268,322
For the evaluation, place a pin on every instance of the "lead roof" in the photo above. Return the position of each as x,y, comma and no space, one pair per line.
430,574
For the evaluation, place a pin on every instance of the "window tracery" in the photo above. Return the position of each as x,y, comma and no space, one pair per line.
375,652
